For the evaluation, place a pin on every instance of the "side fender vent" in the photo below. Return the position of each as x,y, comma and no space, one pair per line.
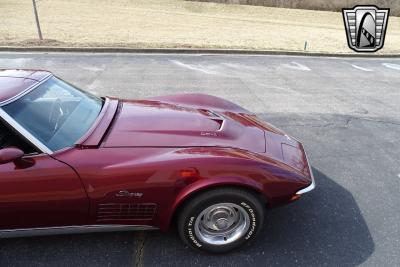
124,211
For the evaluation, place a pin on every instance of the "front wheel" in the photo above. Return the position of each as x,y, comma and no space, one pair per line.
220,220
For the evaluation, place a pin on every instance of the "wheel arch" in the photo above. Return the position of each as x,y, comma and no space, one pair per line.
187,195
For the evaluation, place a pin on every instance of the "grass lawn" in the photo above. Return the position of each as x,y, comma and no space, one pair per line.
177,23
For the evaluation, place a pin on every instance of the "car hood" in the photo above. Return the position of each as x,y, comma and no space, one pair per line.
148,123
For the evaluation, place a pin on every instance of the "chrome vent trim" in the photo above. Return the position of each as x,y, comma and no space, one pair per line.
125,211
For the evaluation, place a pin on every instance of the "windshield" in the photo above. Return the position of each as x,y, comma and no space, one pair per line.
56,113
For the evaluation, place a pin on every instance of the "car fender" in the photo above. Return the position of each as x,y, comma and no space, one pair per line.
205,184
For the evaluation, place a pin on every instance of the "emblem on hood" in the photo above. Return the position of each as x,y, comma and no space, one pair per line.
208,134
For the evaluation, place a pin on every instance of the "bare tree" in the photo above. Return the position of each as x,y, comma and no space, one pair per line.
37,19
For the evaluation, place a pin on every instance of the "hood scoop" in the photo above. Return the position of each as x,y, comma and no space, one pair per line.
155,124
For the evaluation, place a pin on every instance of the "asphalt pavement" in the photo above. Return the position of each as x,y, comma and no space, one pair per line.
345,110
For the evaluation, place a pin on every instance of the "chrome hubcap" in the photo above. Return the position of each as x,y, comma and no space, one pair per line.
222,224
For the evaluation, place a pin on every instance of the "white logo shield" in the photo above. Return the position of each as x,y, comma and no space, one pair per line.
365,27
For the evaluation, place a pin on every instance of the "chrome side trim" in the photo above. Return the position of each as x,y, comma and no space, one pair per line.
72,230
312,185
13,123
26,91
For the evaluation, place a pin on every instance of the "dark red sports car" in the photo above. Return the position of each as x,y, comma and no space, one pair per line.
73,162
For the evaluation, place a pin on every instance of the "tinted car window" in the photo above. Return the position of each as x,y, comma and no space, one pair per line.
56,113
9,138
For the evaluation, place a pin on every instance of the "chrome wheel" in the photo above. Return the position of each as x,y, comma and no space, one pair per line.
222,224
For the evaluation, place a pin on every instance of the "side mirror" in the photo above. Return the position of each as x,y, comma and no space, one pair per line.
10,154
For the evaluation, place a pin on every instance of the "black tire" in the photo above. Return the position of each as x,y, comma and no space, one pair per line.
189,214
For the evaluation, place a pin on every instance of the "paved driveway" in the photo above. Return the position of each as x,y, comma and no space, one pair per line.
346,111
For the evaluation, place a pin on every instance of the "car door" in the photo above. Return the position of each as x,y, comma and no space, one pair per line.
40,192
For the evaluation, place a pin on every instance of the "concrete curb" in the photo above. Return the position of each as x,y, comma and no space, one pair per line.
184,51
